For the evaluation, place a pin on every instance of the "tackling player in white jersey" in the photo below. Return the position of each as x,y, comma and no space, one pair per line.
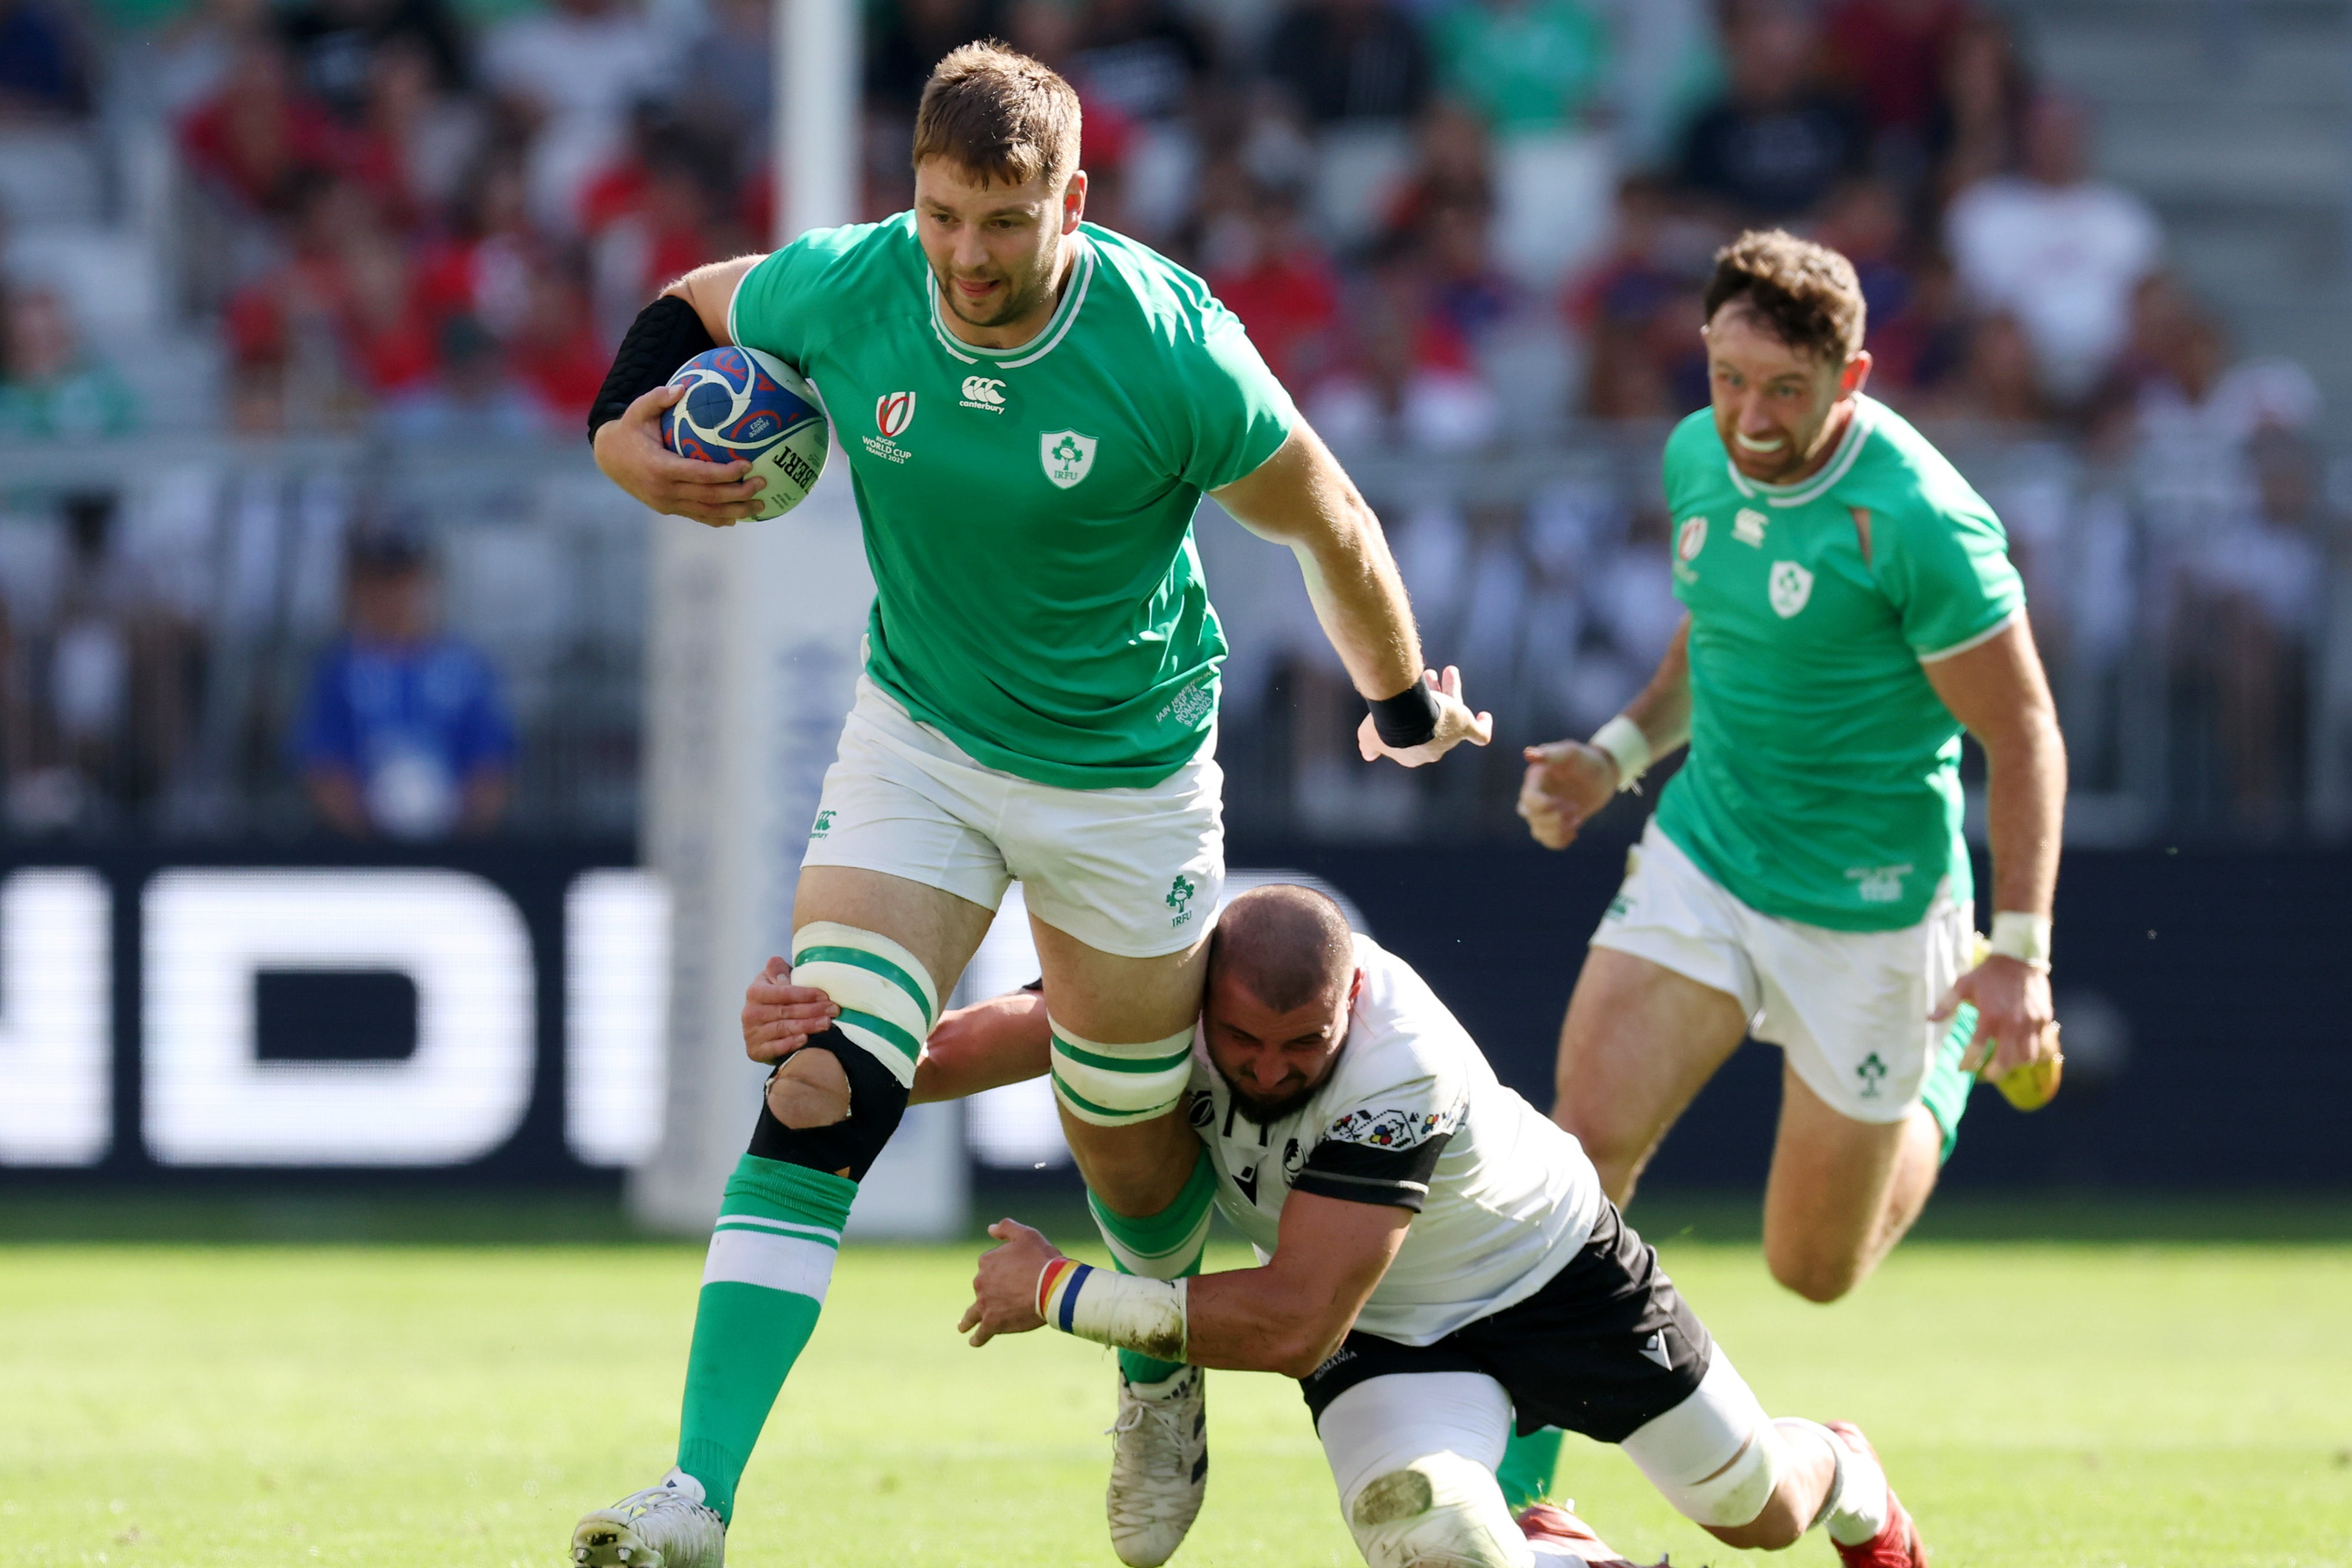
1436,1261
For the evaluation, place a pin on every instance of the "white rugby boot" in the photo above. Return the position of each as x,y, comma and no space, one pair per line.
1159,1466
665,1526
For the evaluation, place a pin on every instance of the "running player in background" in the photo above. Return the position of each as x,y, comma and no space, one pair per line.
1031,408
1852,608
1435,1260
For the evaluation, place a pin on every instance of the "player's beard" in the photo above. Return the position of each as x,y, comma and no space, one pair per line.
1264,1111
1022,294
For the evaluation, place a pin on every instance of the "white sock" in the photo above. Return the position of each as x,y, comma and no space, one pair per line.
1857,1505
1166,1389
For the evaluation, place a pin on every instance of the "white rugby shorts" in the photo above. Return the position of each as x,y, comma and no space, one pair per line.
1849,1007
1135,872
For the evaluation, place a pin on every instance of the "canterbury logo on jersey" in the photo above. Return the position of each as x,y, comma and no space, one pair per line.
985,393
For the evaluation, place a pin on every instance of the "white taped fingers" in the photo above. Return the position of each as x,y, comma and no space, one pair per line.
1413,1455
1715,1456
1114,1085
889,1000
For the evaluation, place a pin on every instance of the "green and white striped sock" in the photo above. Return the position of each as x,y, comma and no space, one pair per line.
1164,1246
763,1284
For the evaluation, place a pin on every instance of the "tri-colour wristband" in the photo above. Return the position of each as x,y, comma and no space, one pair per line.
1120,1310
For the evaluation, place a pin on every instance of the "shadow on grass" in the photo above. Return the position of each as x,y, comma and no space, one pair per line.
528,1218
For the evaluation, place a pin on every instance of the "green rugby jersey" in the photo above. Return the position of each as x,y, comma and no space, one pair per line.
1822,783
1028,512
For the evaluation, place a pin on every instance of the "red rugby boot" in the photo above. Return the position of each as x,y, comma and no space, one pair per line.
1897,1544
1548,1524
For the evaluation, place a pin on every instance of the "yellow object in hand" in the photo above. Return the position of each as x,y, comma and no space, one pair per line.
2036,1084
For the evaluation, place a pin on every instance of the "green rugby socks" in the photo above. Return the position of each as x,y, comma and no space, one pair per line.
1528,1465
763,1284
1946,1090
1164,1246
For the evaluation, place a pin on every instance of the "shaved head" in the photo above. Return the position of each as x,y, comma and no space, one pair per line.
1286,946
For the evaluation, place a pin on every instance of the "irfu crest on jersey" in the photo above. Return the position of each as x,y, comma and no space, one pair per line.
1791,586
1067,454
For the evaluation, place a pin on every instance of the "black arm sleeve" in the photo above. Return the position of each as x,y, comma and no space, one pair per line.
665,334
1365,1173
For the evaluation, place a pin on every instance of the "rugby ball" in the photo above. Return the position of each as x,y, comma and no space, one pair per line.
742,403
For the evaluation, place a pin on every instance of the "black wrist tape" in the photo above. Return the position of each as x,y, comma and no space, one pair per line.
665,334
1406,719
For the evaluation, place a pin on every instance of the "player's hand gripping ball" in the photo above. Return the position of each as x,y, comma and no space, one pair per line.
742,403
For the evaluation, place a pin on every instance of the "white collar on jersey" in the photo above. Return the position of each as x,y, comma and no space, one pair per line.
1037,348
1848,447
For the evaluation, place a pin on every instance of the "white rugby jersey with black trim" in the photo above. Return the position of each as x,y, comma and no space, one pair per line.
1412,1115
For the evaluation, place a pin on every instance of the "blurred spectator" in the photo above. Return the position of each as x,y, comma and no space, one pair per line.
2251,601
2184,392
2058,249
43,75
1524,65
1344,60
1889,54
49,389
337,45
99,710
257,136
556,352
907,39
1267,270
404,733
482,267
1453,164
570,73
1638,309
1996,382
425,136
1778,140
1409,385
344,319
733,69
657,214
1980,115
1141,64
1140,57
471,400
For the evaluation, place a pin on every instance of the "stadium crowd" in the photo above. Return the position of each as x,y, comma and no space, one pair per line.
1453,226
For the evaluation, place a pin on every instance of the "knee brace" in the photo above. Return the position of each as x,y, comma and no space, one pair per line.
1114,1085
888,1002
876,1101
1440,1511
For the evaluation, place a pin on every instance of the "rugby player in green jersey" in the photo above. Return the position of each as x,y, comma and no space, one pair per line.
1851,609
1031,409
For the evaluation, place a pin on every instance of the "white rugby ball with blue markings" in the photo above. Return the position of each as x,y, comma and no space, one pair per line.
742,403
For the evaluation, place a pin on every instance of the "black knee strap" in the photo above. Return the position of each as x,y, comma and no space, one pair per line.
876,1101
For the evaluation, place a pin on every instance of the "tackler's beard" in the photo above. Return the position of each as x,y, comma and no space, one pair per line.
1265,1113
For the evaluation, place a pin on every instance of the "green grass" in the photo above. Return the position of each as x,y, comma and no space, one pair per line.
2148,1403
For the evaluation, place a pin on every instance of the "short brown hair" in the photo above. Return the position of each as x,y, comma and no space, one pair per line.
1288,945
1807,294
999,113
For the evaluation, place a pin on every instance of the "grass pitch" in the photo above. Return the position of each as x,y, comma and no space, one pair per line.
2088,1404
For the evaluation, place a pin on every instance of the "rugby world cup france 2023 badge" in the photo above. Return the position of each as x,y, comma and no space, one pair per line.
743,404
